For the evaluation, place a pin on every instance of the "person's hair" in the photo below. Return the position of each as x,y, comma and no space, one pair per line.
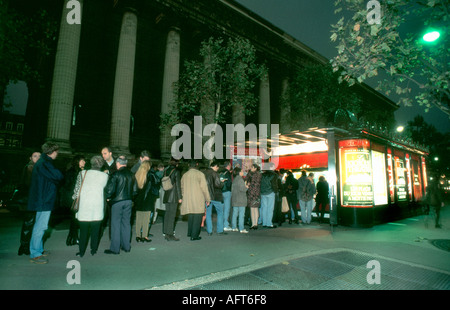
76,161
146,153
141,173
122,160
256,166
303,172
311,174
108,148
173,162
214,163
321,178
49,147
236,171
193,163
97,162
160,165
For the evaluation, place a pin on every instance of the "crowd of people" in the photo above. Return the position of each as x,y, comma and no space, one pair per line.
110,196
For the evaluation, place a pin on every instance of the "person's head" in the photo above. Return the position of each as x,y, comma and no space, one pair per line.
193,163
173,162
311,175
160,166
238,171
50,149
121,161
227,165
145,155
141,173
107,154
255,167
97,162
214,166
35,157
321,178
303,173
78,162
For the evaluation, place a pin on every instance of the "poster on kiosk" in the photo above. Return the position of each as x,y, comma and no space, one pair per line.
356,173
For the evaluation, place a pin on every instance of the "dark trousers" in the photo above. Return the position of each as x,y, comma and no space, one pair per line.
25,234
194,225
120,226
92,230
169,218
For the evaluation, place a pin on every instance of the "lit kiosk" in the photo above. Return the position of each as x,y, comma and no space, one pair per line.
373,178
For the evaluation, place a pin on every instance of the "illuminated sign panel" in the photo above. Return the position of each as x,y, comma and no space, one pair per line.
400,181
390,176
356,173
379,178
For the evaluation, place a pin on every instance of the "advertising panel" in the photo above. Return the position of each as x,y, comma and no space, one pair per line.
400,180
355,173
379,178
390,177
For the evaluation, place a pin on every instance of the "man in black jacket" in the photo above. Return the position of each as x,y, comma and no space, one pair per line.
215,192
119,192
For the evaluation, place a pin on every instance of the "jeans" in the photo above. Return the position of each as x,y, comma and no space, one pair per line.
267,205
40,226
219,209
238,212
305,209
226,208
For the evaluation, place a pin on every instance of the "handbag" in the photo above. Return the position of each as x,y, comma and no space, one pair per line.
76,202
284,205
166,182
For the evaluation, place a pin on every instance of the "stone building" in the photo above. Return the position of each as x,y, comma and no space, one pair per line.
112,75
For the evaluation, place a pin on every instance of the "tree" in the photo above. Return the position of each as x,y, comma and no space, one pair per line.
315,98
416,72
224,78
24,42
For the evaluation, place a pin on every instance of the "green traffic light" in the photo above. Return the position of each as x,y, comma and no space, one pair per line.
431,36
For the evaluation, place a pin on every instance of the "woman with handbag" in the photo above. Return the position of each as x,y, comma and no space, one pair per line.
144,201
89,197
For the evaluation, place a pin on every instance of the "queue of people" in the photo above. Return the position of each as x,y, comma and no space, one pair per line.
108,192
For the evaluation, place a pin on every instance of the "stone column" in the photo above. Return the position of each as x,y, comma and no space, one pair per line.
123,86
264,103
171,76
63,84
285,107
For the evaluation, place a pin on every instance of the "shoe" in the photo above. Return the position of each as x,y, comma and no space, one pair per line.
254,227
146,240
79,254
138,239
172,238
227,229
93,252
23,250
46,253
244,231
39,260
271,226
198,238
110,252
235,229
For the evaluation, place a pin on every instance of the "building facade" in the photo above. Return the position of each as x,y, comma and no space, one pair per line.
113,74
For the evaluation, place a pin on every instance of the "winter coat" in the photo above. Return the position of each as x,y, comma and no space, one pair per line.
173,195
144,197
306,189
238,192
254,189
322,192
195,192
120,186
214,184
45,179
92,199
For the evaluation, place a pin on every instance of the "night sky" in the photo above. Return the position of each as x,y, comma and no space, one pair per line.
309,22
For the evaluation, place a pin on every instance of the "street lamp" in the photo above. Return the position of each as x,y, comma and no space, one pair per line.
400,128
431,36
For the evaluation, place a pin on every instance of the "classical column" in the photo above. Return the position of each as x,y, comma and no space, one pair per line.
171,76
264,102
285,107
63,84
123,86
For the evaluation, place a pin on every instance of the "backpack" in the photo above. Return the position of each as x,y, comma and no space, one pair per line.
166,182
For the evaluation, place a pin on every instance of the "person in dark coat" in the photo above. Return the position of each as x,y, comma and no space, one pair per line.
144,201
290,189
119,191
322,197
43,190
171,199
435,198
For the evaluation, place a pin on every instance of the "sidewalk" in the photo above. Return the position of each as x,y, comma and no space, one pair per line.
288,257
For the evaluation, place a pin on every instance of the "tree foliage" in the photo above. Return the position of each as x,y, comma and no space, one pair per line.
225,77
417,72
315,98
